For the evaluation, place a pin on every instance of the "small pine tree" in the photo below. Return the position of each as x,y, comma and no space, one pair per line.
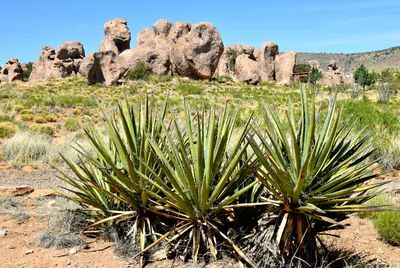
363,77
315,75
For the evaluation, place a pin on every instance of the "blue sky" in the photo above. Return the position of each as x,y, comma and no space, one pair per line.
307,25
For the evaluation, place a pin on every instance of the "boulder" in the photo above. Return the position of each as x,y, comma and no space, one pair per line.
70,50
284,67
178,30
12,71
227,62
103,67
59,63
117,36
196,54
333,76
266,55
19,190
156,59
314,64
246,69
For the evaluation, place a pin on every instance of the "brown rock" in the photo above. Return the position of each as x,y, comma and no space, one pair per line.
117,36
196,54
12,71
103,67
246,70
284,67
266,60
44,193
178,30
70,50
156,59
227,62
59,63
15,190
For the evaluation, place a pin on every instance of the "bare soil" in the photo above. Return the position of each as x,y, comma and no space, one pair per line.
21,223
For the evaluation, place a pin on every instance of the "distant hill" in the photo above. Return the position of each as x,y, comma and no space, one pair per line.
374,60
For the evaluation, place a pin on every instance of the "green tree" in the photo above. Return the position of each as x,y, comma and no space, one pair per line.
363,77
315,75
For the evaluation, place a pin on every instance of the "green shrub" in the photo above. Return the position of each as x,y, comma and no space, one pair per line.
40,119
140,71
7,129
71,101
387,223
43,129
6,118
190,89
72,124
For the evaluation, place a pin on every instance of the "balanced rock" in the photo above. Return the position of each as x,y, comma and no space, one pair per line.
59,63
196,54
266,55
333,76
117,36
284,67
103,67
12,71
246,69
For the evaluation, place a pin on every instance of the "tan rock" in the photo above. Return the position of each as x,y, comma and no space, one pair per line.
284,67
103,67
12,71
59,63
246,70
15,190
266,55
197,53
227,62
117,36
44,193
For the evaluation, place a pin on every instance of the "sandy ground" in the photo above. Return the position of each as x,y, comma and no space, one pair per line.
19,249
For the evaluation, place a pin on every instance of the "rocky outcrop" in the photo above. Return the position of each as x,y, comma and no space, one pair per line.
11,71
227,62
59,63
266,55
333,76
246,69
103,67
117,36
284,67
196,54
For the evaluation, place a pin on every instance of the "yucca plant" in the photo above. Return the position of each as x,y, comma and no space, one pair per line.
315,170
109,180
204,177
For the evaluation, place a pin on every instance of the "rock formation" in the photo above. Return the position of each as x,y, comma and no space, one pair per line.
227,62
247,69
333,76
266,60
12,71
284,67
59,63
196,54
117,36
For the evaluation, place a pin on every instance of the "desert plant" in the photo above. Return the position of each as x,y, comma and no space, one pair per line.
387,224
201,180
140,71
315,171
7,129
72,124
25,147
363,77
110,181
189,88
315,75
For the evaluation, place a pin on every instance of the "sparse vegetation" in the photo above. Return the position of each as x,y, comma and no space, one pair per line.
7,129
72,124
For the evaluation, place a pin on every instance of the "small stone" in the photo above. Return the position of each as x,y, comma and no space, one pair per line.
30,251
72,251
15,190
3,232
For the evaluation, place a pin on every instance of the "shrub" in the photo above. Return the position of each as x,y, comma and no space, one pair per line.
189,88
315,172
140,71
6,118
51,117
7,129
45,129
183,184
40,119
387,223
26,117
25,147
72,124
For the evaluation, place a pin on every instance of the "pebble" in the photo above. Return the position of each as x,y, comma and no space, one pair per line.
30,251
